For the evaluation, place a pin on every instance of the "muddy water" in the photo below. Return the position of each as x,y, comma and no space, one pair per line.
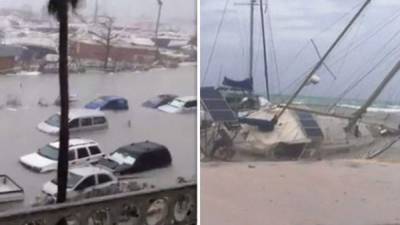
19,136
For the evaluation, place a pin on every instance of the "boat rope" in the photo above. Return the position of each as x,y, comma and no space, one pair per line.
215,41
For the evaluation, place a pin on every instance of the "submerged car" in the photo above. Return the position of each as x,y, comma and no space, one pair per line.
80,151
180,105
79,120
108,103
81,181
159,100
137,157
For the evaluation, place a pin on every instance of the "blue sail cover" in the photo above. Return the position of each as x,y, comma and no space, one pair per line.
246,84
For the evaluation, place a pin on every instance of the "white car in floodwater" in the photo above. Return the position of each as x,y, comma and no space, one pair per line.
81,181
81,151
180,105
79,120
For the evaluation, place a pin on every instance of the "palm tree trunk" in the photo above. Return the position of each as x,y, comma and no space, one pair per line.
62,171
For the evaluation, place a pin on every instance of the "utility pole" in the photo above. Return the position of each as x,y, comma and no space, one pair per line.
320,62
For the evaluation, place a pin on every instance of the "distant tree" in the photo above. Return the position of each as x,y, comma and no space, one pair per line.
105,35
59,9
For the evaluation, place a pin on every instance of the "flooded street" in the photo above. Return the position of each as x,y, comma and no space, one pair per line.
19,136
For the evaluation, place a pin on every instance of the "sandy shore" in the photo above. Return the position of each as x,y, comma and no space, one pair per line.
337,192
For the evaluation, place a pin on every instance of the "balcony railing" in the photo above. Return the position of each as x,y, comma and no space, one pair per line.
164,206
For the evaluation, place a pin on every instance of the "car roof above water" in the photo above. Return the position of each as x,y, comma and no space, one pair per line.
143,147
186,98
75,142
88,170
78,113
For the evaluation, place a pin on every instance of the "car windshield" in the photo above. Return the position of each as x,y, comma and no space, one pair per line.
73,179
98,101
49,152
54,120
177,103
122,158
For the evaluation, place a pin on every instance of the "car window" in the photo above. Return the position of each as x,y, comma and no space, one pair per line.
86,122
74,123
190,104
99,120
94,150
88,182
82,153
71,155
104,178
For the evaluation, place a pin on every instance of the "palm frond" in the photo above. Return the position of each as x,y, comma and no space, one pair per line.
54,6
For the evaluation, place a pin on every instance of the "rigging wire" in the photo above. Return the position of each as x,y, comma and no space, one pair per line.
381,26
241,39
372,34
273,46
302,49
215,41
375,66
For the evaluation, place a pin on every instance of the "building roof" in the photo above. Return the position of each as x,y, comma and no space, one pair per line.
10,51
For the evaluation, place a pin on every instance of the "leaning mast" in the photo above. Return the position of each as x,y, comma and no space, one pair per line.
321,61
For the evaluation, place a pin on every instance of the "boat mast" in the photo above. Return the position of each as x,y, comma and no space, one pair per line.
251,39
264,51
321,61
357,115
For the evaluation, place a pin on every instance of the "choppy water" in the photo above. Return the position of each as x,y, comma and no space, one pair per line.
19,136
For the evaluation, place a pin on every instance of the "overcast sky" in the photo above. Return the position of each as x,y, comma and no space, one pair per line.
179,11
294,23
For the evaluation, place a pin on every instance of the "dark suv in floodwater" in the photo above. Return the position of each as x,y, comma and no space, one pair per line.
137,157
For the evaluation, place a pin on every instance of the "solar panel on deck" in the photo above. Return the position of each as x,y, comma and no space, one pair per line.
209,92
313,132
216,105
223,116
304,115
309,123
310,126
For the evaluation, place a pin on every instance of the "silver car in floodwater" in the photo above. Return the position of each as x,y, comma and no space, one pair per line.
80,151
82,180
79,120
